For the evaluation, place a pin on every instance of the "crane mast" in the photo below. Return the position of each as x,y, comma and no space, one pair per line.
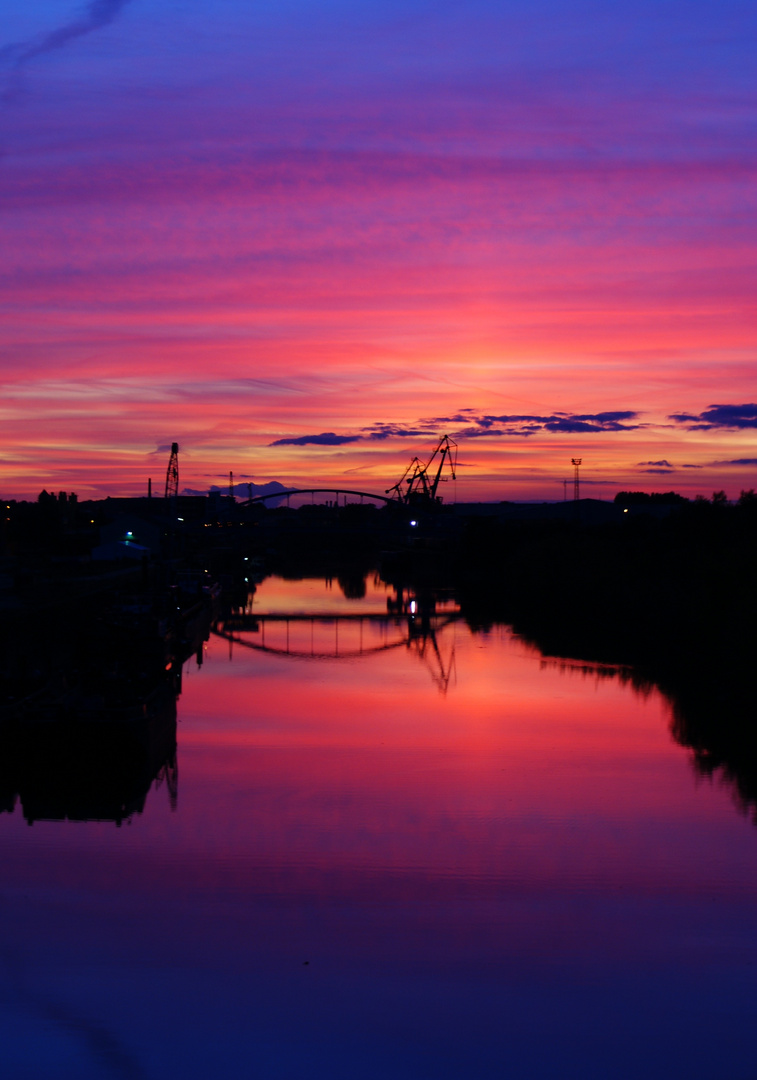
446,449
418,485
172,473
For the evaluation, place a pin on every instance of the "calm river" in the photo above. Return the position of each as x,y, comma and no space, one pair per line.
397,850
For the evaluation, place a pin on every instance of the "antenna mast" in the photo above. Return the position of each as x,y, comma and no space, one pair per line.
576,462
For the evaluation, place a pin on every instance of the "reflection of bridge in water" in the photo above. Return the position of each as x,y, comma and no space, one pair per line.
346,637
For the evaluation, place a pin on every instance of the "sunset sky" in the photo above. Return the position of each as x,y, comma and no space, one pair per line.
304,240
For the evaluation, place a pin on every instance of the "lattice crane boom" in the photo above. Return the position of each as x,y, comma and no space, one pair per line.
416,485
172,473
447,450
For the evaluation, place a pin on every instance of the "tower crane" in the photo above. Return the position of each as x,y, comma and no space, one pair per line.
417,485
172,473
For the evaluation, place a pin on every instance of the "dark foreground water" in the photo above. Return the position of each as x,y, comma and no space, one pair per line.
391,855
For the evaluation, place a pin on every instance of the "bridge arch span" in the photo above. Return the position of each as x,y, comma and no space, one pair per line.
320,491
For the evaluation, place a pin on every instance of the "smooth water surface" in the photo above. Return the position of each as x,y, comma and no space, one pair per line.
394,853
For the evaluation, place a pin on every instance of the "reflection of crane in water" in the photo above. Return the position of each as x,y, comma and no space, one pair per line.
416,632
426,648
416,486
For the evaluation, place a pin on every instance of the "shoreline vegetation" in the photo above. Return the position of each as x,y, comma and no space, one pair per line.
674,599
656,584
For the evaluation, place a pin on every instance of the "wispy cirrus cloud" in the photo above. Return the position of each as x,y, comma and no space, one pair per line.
96,14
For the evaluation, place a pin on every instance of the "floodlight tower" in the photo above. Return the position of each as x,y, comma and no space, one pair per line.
576,462
172,473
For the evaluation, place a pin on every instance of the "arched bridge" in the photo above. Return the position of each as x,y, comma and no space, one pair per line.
336,492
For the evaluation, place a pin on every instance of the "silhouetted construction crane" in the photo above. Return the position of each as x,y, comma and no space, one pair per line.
417,486
172,473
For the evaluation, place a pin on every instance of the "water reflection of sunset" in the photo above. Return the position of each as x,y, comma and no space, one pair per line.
521,770
366,876
313,596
